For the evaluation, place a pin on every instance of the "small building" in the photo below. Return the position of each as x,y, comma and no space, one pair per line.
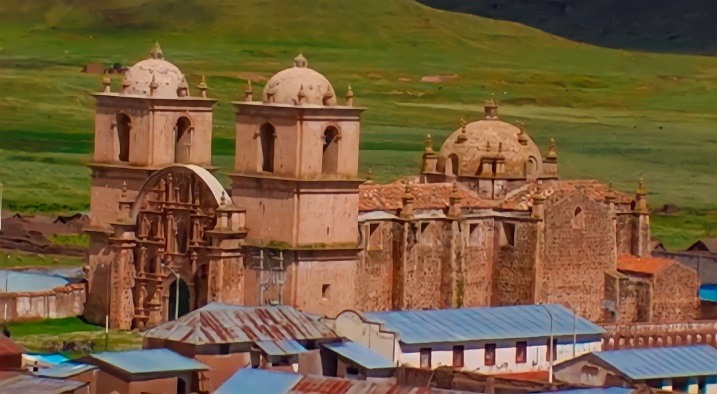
23,383
708,245
488,340
356,361
10,354
691,369
69,370
227,337
146,371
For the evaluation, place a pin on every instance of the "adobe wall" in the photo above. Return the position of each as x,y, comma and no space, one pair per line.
675,295
514,269
67,301
578,249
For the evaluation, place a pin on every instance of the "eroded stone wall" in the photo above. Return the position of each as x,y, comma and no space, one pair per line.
474,259
675,294
514,268
579,247
624,230
375,269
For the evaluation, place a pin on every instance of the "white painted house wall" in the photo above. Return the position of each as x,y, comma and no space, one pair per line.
505,354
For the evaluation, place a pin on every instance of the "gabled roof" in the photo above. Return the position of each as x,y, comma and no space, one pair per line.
481,324
662,363
8,347
361,355
388,197
218,323
642,265
521,198
704,245
147,361
21,383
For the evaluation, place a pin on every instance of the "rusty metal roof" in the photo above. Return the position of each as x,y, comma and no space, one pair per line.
19,383
218,323
283,347
8,347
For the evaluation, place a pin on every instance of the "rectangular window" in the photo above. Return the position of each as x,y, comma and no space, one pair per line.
489,355
521,350
374,237
508,234
457,356
551,350
424,236
426,358
473,235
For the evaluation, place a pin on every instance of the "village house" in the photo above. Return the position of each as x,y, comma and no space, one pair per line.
499,340
688,369
486,222
70,370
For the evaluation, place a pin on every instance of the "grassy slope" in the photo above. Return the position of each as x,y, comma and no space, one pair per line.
616,115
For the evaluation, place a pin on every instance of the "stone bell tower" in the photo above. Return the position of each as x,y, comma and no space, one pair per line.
150,123
295,172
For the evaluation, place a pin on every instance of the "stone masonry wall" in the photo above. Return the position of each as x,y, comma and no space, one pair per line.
475,259
674,295
624,234
579,248
375,269
514,269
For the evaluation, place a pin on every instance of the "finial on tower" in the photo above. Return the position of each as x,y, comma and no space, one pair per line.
369,176
223,199
106,83
300,61
522,138
641,189
552,153
328,95
349,97
183,90
126,83
428,144
491,109
462,137
248,91
203,87
156,52
301,95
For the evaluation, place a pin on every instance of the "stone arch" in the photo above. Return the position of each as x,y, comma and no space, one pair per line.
183,130
660,342
330,151
688,339
698,338
611,344
267,141
708,339
578,221
453,165
641,341
122,136
183,305
621,343
632,342
651,341
532,166
678,340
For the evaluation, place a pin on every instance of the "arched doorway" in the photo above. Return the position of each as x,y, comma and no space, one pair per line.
124,125
183,299
330,158
183,144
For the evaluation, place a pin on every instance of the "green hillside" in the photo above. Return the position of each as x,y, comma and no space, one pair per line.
616,115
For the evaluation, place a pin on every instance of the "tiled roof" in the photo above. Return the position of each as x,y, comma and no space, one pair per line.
642,265
483,323
148,361
388,197
222,323
521,198
361,355
663,363
8,347
20,383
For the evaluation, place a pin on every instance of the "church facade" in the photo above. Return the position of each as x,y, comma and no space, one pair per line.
487,221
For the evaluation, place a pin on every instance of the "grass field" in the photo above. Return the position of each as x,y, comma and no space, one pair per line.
19,259
615,115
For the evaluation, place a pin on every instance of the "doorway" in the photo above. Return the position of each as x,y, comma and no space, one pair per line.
183,304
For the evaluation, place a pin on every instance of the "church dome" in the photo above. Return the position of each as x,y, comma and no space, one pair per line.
469,146
299,85
165,75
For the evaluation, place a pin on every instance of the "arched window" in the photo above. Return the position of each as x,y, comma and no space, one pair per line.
183,140
124,125
267,136
454,165
330,157
531,166
578,219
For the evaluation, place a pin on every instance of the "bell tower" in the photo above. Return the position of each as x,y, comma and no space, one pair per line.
295,172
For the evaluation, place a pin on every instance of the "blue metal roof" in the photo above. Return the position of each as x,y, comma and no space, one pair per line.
26,282
15,383
47,358
64,370
361,355
149,360
708,293
663,362
283,347
252,381
484,323
594,390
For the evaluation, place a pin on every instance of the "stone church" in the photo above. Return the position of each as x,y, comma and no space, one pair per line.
486,222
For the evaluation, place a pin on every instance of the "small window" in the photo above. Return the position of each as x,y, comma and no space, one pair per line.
426,358
508,234
521,350
578,222
551,350
424,236
325,289
473,235
489,359
374,237
457,356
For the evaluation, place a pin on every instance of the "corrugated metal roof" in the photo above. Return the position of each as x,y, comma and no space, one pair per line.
223,323
283,347
663,362
253,381
46,358
8,347
149,360
361,355
26,282
708,293
593,390
484,323
64,370
18,383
